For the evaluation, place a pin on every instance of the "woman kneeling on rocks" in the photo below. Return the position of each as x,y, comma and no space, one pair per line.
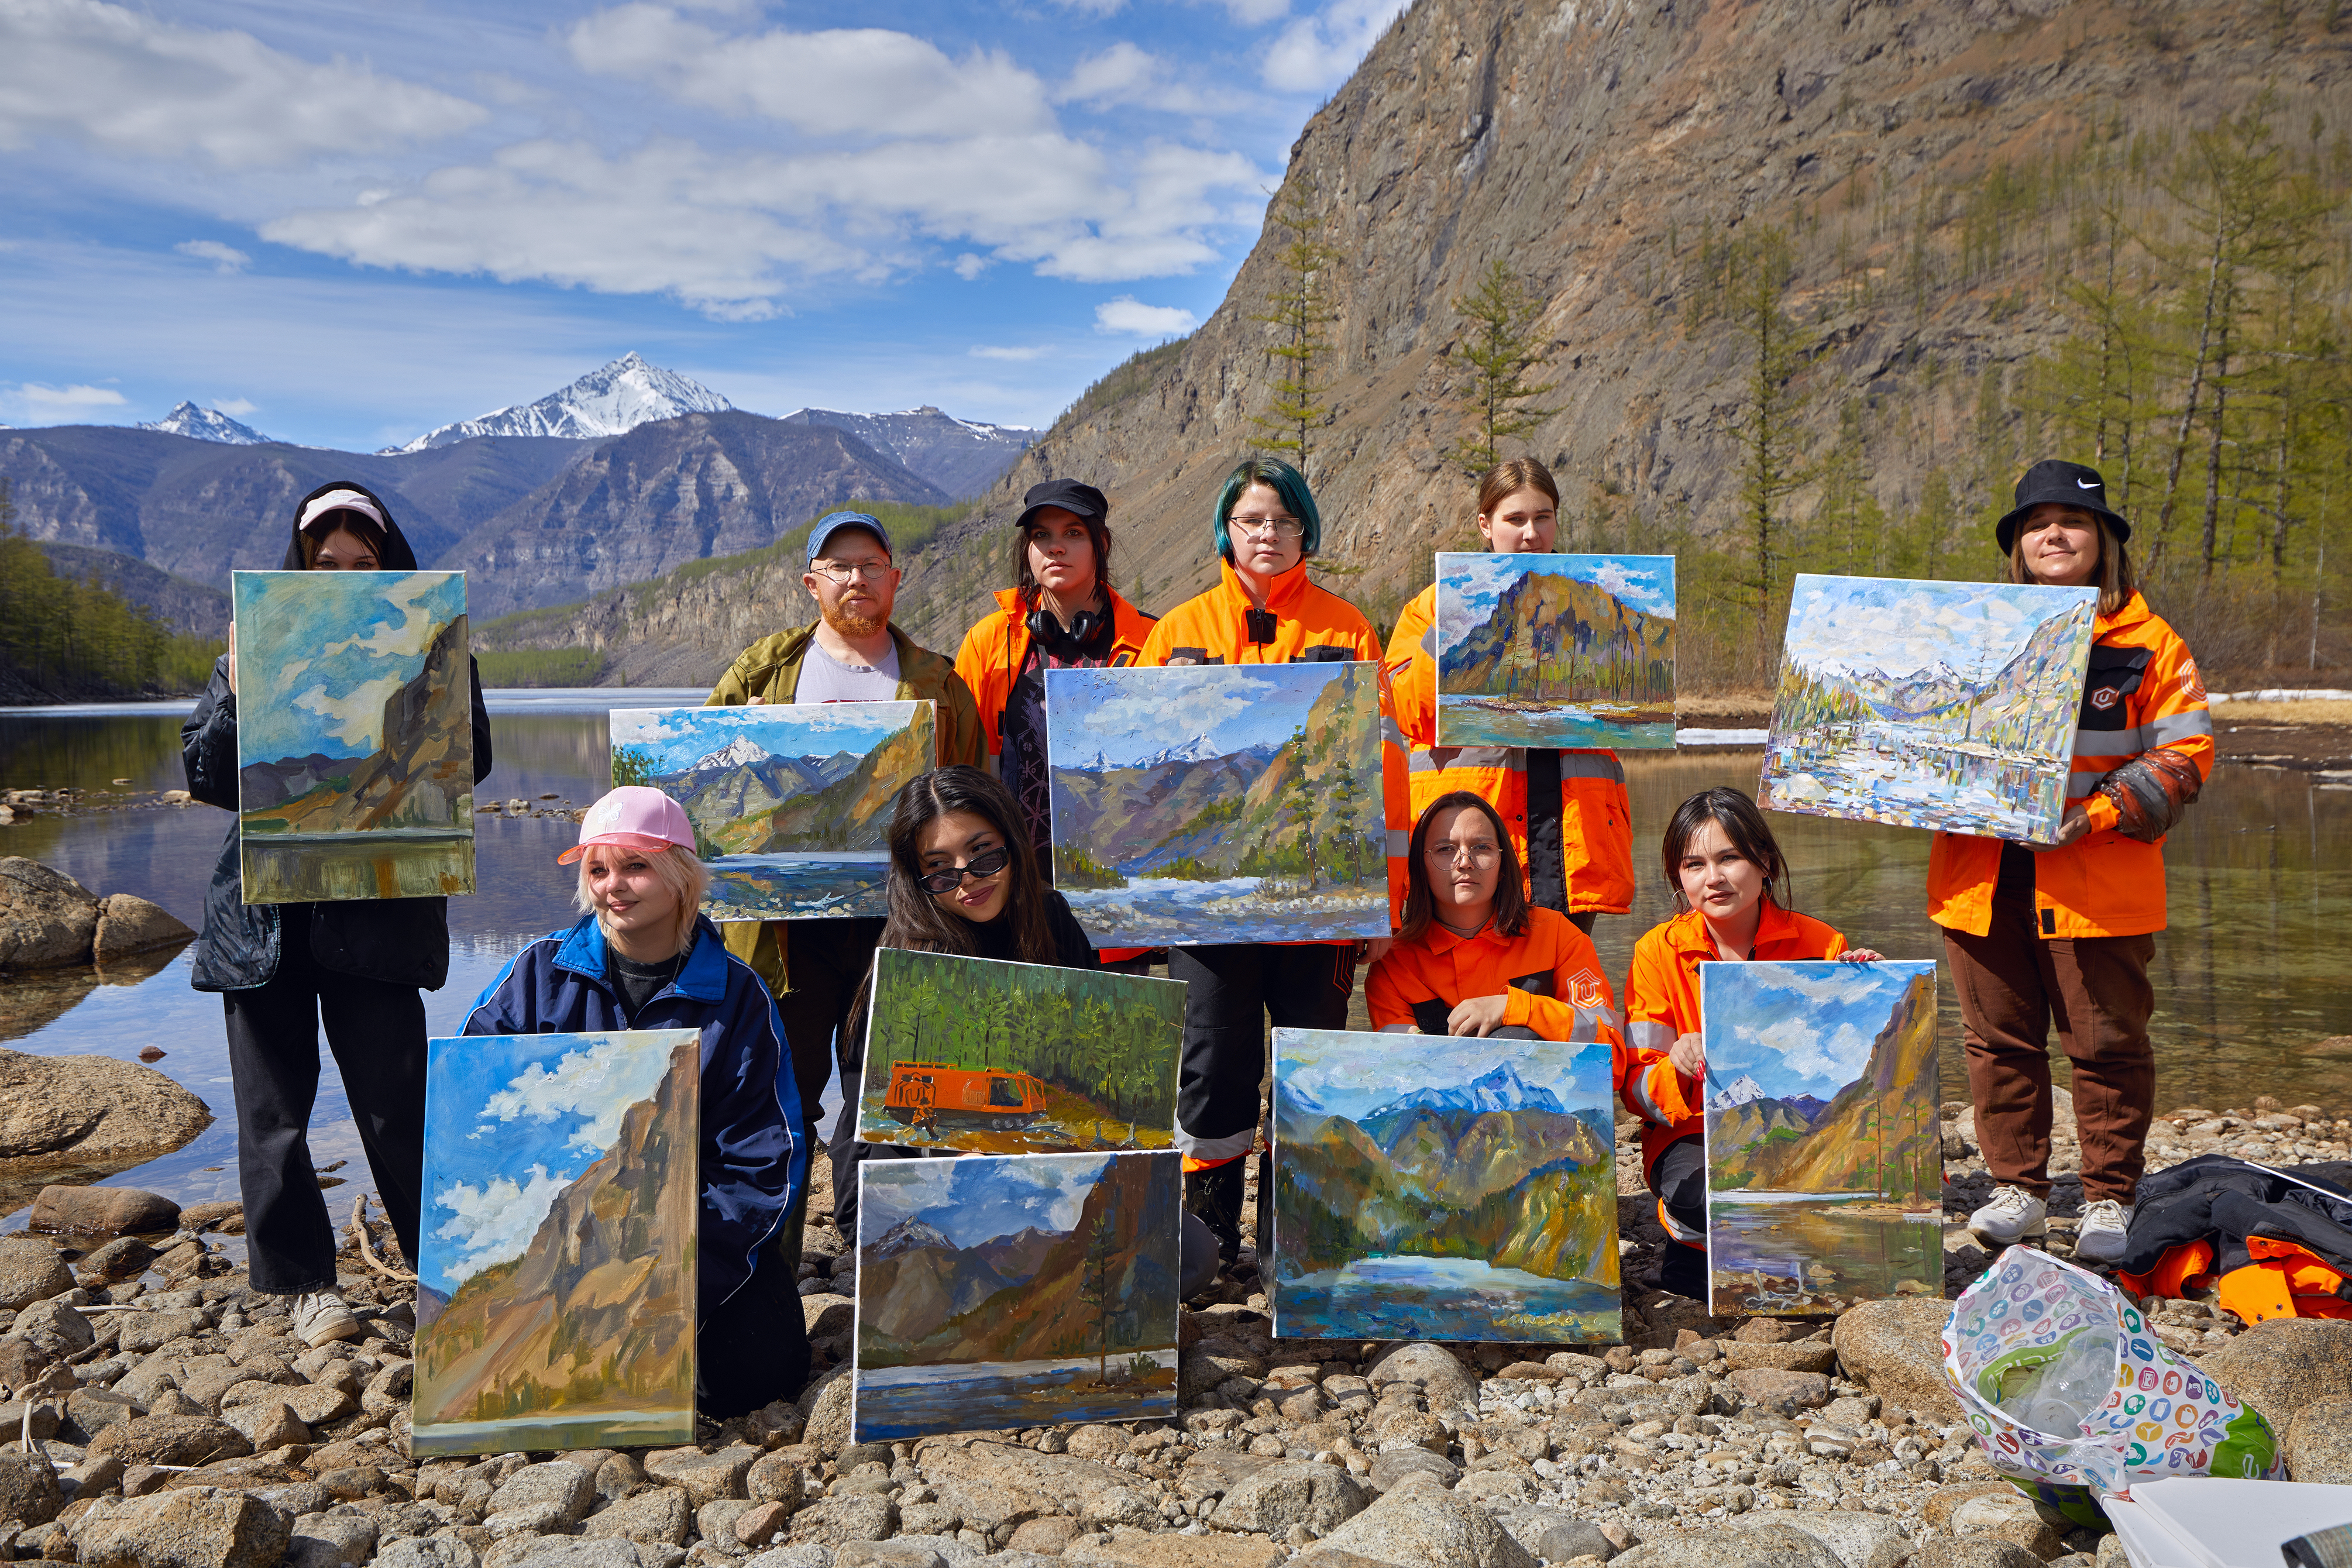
641,957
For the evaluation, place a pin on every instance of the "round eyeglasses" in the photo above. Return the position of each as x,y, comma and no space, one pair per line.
1281,527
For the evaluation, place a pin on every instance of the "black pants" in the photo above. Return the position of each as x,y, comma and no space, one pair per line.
826,961
752,1349
376,1030
1679,1179
1230,992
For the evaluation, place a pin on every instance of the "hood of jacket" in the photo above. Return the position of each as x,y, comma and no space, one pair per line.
398,556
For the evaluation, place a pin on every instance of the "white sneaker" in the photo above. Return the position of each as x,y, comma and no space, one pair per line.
2100,1237
321,1316
2013,1215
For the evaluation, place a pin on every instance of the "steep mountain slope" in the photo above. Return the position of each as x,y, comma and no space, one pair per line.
807,820
959,456
179,604
1554,637
1874,1135
611,400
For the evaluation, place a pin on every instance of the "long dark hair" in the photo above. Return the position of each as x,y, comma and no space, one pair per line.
916,920
1741,823
1421,903
1098,530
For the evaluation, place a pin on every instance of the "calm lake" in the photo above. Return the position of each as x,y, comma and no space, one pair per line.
1443,1299
901,1402
2250,977
1787,1252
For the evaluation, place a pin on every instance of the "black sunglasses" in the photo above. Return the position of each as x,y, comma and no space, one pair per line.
980,868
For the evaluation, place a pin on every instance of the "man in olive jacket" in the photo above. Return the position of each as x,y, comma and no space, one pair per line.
850,654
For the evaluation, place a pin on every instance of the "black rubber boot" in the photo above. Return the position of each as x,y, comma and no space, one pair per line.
1216,1195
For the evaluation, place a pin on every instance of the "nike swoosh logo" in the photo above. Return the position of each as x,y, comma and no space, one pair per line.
2087,484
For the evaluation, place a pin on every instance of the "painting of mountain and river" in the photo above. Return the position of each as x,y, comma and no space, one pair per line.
791,803
1433,1188
1556,650
1939,705
354,735
1219,803
1824,1159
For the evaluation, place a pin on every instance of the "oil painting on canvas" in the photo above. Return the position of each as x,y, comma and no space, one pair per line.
1015,1290
1825,1162
1219,803
791,803
354,735
981,1056
1556,650
1942,705
1433,1188
555,1296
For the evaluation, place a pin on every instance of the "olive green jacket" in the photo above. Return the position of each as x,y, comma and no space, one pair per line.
769,669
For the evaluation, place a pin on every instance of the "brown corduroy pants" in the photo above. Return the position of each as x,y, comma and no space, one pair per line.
2013,984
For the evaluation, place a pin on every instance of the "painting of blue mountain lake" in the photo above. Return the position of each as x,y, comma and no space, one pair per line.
1431,1187
1219,803
1556,650
791,803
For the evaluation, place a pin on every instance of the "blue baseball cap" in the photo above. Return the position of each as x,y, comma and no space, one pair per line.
833,522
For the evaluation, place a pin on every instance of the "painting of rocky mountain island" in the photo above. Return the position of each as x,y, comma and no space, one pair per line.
1219,803
1432,1188
1939,705
1556,650
555,1296
354,735
1015,1290
1825,1163
791,803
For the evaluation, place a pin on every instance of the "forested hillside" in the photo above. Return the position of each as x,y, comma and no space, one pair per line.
63,638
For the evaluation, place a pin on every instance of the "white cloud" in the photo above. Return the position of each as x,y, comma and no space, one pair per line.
404,640
496,1221
1256,13
1838,982
39,402
129,84
992,350
1194,706
224,257
236,408
1839,1057
1093,8
1115,73
1128,314
1316,53
600,1083
356,716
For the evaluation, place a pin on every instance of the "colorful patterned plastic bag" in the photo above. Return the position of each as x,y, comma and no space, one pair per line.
2161,1416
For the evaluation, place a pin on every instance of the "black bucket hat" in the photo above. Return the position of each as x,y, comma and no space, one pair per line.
2054,481
1085,500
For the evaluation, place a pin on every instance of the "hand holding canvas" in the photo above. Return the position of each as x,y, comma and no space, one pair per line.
2073,826
1689,1055
1476,1017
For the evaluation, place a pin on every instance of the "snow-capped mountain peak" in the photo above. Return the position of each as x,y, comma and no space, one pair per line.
1500,1090
611,400
907,1236
741,752
1196,749
1738,1091
206,425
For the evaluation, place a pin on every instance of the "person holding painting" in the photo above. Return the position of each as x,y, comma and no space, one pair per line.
282,968
1262,610
1570,819
641,957
1728,873
2062,932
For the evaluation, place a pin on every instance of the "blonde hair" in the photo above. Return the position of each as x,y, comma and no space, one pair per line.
678,869
2116,585
1504,480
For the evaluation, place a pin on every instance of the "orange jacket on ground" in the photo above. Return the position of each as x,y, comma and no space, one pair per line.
1550,974
1594,818
1662,1006
994,650
1309,625
2143,692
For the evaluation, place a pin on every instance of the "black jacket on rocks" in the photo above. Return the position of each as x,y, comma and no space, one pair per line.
402,940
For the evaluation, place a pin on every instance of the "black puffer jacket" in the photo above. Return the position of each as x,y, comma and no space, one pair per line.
402,940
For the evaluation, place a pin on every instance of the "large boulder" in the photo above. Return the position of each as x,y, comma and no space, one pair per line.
2280,1366
29,1493
2319,1441
1445,1382
30,1271
1424,1526
128,924
1860,1539
992,1483
172,1440
1272,1500
190,1527
91,1108
102,1211
46,919
1761,1544
1896,1348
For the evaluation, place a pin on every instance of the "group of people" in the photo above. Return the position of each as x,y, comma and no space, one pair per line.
1500,861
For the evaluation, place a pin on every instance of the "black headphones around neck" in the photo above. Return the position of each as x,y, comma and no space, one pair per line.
1048,630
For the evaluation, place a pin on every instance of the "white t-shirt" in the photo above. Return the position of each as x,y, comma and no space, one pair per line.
824,678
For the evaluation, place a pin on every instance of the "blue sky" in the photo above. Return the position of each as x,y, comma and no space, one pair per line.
679,736
1348,1072
1898,626
1798,1028
509,1122
1468,585
318,652
975,1199
347,224
1130,715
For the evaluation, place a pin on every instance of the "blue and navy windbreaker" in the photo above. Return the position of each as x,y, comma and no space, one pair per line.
754,1164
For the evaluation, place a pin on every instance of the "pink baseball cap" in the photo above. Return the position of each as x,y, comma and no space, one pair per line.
631,817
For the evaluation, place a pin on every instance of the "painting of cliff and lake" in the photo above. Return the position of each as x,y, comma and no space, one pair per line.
555,1296
1939,705
354,735
791,803
980,1056
1556,650
1219,803
1432,1188
999,1290
1824,1159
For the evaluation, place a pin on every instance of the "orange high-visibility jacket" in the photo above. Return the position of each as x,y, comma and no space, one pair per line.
1548,973
1310,624
2143,692
1591,821
1662,1006
994,650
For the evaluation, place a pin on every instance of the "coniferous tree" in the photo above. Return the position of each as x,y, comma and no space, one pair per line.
1301,310
1500,346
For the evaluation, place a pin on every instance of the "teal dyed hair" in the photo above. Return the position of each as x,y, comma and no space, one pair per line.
1285,481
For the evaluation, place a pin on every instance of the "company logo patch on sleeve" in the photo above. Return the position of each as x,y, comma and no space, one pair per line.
2192,685
1586,991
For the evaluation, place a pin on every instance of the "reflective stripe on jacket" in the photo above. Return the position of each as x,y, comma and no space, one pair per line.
1662,1006
2142,691
1581,840
994,650
1550,974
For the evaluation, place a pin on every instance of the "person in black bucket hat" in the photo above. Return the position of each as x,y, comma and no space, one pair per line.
2062,932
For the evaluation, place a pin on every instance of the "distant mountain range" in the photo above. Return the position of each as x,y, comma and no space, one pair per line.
961,456
1501,1089
207,424
611,400
2011,706
750,801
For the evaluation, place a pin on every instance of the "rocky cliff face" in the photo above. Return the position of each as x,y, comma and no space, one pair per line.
812,819
1879,1132
1554,637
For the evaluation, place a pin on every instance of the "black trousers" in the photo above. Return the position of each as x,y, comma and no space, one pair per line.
752,1349
376,1030
826,961
1230,992
1680,1179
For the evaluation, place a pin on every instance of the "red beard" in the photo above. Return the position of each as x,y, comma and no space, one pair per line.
849,623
